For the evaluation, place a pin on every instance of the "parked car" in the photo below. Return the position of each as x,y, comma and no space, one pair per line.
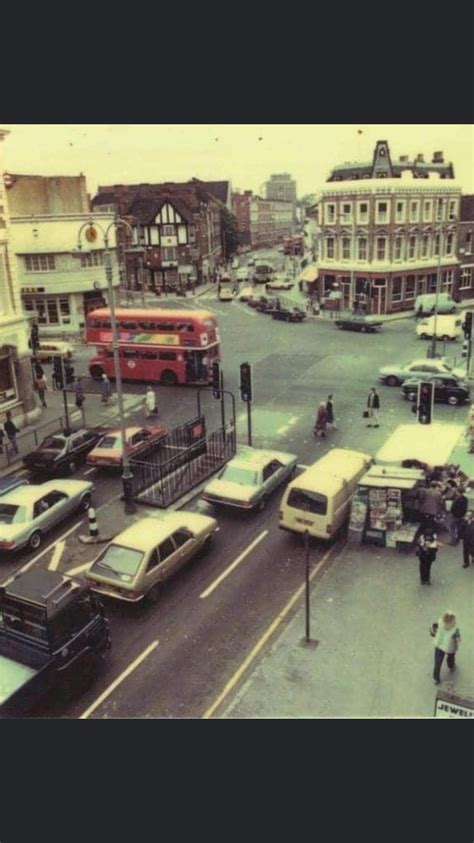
267,305
109,450
242,273
7,484
447,389
254,301
139,560
62,451
295,314
48,349
251,261
417,369
356,322
248,479
280,282
245,293
28,512
235,263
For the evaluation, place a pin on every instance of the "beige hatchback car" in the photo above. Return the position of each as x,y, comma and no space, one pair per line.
139,560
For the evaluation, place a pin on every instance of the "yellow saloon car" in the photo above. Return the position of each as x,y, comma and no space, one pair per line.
140,559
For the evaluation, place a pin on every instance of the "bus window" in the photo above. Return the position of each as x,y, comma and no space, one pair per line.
148,355
128,326
146,326
129,353
167,355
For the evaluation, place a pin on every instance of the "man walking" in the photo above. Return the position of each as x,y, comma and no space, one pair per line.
457,513
447,638
11,430
466,533
78,392
373,406
105,389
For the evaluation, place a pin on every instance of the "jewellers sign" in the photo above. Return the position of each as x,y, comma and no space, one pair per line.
453,706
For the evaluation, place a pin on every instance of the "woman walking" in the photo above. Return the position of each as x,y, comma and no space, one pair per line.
41,386
321,420
447,638
330,412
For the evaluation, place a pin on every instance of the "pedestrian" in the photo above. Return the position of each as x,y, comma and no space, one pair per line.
105,389
2,436
466,533
11,430
150,403
330,412
373,406
78,392
447,638
41,386
321,420
457,513
470,430
431,506
38,369
426,551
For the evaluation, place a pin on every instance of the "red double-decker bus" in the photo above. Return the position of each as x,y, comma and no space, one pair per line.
156,345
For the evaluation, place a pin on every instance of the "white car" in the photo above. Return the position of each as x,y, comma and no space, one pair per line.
235,263
249,478
397,374
242,273
247,292
280,282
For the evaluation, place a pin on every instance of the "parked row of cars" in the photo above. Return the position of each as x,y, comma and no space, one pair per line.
450,385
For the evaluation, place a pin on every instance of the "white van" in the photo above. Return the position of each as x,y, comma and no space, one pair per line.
447,327
47,349
425,305
319,500
226,289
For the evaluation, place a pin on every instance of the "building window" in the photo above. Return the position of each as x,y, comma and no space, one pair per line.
468,243
330,213
363,212
452,209
448,281
396,290
436,245
465,278
449,244
409,287
425,245
381,248
398,248
362,244
168,231
432,283
168,253
347,212
439,210
154,235
414,211
330,248
382,212
40,263
427,211
346,248
92,259
400,212
411,247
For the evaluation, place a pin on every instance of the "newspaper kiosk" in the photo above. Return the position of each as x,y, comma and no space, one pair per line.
385,507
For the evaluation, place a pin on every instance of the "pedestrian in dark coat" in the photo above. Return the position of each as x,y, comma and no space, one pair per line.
330,412
457,513
106,389
466,534
426,551
321,420
78,392
11,430
39,371
373,406
41,386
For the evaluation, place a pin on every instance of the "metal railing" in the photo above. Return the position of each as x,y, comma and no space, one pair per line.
30,438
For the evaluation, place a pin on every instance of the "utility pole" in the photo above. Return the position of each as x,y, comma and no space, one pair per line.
438,280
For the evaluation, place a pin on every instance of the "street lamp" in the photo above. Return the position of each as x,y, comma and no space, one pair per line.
438,281
91,235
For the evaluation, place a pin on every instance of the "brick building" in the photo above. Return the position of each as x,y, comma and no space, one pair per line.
270,221
465,287
241,210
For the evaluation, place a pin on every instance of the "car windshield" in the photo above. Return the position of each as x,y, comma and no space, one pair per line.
242,476
53,443
10,514
118,560
110,442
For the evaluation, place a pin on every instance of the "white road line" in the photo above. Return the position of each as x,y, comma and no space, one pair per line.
48,549
231,567
56,557
90,470
73,572
282,429
119,680
302,466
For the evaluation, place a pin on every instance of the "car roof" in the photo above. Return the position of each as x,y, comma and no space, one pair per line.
23,495
255,458
130,431
149,531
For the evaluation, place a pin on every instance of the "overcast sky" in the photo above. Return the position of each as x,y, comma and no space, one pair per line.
245,154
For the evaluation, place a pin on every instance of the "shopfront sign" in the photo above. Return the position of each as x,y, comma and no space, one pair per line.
33,290
453,706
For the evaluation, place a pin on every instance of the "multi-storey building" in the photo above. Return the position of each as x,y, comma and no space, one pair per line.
382,167
383,241
465,287
177,227
270,221
16,382
241,210
282,187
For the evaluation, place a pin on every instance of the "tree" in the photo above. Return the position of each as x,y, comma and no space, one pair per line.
230,234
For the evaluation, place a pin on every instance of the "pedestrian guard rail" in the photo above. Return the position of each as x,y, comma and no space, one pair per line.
29,439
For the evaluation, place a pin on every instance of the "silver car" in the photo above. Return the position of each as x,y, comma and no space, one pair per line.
396,374
248,479
28,512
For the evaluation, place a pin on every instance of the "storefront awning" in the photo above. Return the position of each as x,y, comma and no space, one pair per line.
310,274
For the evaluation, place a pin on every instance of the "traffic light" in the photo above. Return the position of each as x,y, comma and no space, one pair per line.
466,348
58,372
68,371
216,380
246,382
425,402
467,326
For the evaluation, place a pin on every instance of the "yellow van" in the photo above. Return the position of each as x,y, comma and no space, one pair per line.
319,500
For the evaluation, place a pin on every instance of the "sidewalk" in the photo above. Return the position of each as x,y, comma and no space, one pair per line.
152,299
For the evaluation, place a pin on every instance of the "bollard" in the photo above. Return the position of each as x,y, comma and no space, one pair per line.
93,528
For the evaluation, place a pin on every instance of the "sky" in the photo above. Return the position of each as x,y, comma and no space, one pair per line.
246,154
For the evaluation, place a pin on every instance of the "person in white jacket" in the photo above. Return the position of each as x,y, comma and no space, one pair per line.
447,637
150,403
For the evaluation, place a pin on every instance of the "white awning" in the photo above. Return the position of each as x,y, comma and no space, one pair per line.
310,274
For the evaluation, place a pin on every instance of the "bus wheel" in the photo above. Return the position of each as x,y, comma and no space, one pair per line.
96,372
168,378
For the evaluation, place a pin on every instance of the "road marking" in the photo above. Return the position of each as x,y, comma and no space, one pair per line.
119,680
56,557
47,549
260,643
302,466
89,470
231,567
73,572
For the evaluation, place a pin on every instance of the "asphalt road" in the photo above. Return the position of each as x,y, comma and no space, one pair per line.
204,637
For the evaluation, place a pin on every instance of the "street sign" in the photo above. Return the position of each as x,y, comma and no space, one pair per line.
453,706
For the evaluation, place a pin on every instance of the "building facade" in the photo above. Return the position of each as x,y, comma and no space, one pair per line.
46,194
465,287
383,242
16,380
58,282
382,167
241,210
281,187
270,221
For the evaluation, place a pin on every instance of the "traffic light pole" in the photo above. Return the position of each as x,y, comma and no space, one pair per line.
249,422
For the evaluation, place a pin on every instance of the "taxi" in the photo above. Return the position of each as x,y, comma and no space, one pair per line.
108,453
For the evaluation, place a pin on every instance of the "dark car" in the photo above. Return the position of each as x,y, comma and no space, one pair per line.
447,389
267,305
254,301
358,322
63,451
293,315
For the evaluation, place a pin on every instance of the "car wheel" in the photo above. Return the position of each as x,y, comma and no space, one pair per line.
262,504
168,378
453,400
86,502
154,594
362,330
72,466
392,381
411,396
35,540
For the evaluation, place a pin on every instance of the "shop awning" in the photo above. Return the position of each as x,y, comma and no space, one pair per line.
310,274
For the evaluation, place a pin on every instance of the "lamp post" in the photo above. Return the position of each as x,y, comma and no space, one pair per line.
438,281
91,235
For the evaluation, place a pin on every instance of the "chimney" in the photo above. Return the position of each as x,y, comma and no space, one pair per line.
403,159
420,158
438,158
